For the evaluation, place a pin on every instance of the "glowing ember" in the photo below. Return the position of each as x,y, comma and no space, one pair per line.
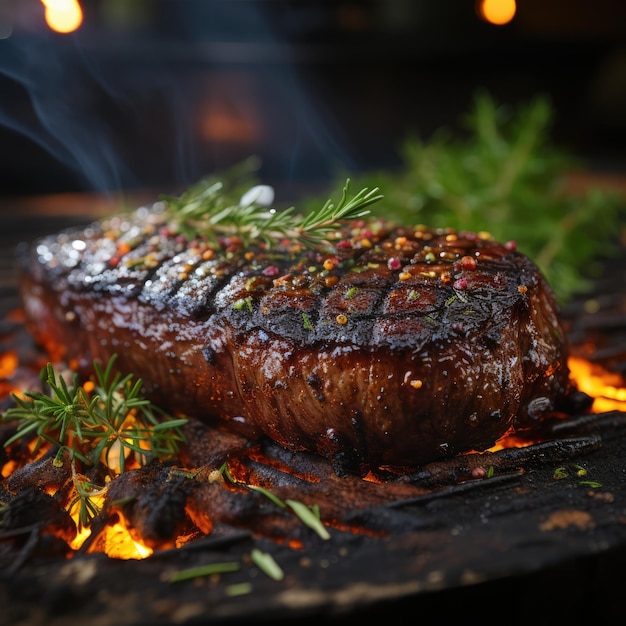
608,389
8,363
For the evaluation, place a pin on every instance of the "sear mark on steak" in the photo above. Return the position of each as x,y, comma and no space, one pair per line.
394,346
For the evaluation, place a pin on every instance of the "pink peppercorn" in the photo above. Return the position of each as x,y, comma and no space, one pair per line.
460,284
271,270
394,263
511,245
468,263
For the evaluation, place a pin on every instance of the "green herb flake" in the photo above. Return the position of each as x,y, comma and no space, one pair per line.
266,563
461,296
243,303
560,473
431,320
413,295
240,589
310,517
203,570
450,300
351,292
268,494
306,321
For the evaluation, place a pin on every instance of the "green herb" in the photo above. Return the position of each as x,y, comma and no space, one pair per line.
268,494
239,589
351,292
266,562
310,516
86,494
579,471
503,173
214,209
203,570
108,425
307,322
243,303
461,297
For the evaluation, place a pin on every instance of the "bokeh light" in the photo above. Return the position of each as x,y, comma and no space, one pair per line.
498,12
63,16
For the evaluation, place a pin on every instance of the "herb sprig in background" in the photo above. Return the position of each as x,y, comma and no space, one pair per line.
504,174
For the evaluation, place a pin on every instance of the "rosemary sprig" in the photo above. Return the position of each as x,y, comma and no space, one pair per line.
110,424
503,173
210,208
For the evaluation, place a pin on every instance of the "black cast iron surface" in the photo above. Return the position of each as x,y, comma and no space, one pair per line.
520,547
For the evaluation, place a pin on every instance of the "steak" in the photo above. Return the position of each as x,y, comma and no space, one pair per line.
390,346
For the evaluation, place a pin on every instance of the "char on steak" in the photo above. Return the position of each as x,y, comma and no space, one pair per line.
392,346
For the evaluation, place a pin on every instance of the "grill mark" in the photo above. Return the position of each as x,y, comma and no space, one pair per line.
307,315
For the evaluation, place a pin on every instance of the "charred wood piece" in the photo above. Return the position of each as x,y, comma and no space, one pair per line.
42,473
478,465
608,424
152,502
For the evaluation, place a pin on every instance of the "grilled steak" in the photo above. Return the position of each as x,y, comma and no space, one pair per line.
394,346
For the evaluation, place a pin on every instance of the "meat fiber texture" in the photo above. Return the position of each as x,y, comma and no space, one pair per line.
389,347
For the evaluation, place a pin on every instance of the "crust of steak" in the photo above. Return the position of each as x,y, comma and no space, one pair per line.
392,347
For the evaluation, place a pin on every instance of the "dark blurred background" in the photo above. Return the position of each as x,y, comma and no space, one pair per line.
155,94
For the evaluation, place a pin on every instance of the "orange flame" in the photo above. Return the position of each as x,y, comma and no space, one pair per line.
119,544
608,389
